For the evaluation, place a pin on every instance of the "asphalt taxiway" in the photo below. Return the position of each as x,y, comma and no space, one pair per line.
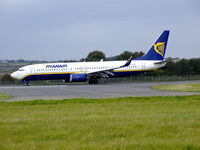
89,91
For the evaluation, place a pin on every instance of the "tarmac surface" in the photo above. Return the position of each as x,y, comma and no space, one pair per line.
20,93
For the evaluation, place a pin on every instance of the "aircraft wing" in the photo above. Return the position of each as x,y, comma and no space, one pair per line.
104,73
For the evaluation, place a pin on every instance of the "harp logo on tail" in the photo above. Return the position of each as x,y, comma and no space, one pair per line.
160,48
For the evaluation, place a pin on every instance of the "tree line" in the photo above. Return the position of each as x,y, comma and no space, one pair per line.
182,67
98,55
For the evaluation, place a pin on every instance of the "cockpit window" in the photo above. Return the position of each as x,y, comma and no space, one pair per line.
20,69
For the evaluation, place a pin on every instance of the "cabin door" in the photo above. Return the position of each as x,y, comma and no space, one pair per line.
143,65
32,69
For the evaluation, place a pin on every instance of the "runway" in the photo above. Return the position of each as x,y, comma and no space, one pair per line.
88,91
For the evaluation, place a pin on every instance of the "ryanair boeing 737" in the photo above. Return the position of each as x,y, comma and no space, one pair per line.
92,71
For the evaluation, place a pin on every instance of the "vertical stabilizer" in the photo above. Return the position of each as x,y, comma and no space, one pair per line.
157,51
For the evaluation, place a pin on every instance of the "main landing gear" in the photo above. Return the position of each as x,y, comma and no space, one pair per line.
27,83
93,81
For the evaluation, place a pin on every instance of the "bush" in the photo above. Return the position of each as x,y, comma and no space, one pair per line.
7,79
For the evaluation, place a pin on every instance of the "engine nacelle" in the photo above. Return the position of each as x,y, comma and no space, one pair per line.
78,78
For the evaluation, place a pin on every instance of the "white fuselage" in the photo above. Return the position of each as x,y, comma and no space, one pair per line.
59,69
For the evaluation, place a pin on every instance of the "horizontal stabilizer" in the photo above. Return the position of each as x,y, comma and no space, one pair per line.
165,61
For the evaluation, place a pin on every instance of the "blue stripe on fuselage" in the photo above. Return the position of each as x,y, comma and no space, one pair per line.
66,76
46,77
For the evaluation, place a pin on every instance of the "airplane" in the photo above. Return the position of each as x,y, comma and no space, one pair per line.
92,71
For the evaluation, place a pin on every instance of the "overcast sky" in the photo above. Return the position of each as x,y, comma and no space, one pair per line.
66,29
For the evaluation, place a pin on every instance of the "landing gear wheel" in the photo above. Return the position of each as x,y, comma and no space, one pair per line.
27,83
90,81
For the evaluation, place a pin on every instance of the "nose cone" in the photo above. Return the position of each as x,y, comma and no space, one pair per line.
14,75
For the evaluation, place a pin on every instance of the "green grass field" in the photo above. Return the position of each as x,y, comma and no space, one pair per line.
4,96
164,123
195,87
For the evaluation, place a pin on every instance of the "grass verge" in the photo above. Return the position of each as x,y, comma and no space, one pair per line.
118,123
4,96
195,87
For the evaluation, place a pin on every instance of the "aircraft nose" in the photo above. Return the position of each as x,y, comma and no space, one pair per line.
14,75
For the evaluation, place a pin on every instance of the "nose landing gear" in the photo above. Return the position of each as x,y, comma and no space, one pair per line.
27,83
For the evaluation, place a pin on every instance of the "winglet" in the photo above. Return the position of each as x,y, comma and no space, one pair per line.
128,61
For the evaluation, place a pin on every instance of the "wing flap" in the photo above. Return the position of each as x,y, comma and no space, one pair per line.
101,73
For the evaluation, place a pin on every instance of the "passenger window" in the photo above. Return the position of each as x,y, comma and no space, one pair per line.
20,69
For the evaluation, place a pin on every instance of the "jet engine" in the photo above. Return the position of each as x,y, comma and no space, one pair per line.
78,77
